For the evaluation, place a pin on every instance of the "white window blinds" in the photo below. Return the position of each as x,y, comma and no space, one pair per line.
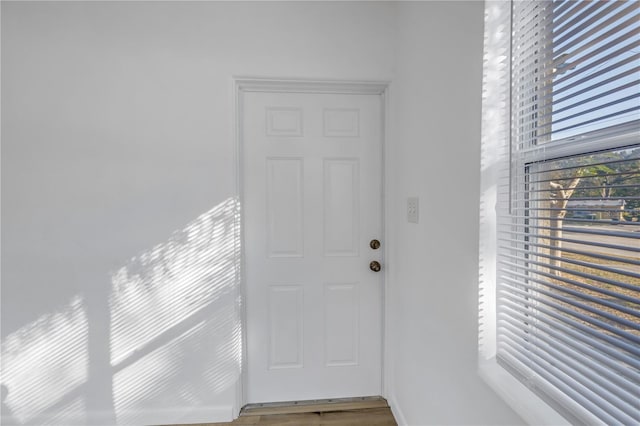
575,67
568,212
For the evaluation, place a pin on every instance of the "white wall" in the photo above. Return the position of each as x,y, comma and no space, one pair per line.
435,155
118,196
116,134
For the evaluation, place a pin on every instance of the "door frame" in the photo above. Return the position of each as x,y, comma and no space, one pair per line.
242,85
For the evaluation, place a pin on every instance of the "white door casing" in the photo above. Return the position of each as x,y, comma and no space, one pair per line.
312,202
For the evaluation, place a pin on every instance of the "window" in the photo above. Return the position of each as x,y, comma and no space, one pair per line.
560,255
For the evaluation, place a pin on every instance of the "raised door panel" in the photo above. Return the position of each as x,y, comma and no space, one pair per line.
341,201
286,327
341,312
285,203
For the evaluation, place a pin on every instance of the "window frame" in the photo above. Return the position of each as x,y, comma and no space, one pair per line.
498,156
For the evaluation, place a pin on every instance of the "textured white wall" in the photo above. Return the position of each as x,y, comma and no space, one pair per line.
118,186
435,155
119,238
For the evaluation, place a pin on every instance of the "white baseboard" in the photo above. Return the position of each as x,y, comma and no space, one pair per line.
397,412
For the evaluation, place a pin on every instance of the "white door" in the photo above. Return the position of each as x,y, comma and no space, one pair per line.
312,204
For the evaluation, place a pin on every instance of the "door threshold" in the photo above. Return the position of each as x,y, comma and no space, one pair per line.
314,406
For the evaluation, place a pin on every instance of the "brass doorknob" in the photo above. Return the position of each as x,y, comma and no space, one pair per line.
375,266
374,244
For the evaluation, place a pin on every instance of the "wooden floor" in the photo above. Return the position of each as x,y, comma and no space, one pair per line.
365,413
362,417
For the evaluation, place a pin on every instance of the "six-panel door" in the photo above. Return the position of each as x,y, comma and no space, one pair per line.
312,203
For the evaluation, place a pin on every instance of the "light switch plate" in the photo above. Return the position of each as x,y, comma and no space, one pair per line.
412,209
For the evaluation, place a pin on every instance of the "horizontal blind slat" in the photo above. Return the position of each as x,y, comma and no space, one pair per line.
561,37
544,255
601,163
591,254
605,117
631,236
625,379
532,278
561,380
615,283
577,303
562,12
526,234
605,353
625,24
595,76
585,111
600,387
625,351
630,342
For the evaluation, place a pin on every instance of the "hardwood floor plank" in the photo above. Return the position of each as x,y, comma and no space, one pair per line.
315,406
361,417
367,417
311,419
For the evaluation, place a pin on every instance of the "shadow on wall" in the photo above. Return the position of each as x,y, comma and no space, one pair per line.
164,332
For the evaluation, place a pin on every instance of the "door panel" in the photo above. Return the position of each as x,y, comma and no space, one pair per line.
341,207
285,327
312,202
341,324
284,207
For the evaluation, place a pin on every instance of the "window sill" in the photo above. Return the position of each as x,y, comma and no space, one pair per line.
526,404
